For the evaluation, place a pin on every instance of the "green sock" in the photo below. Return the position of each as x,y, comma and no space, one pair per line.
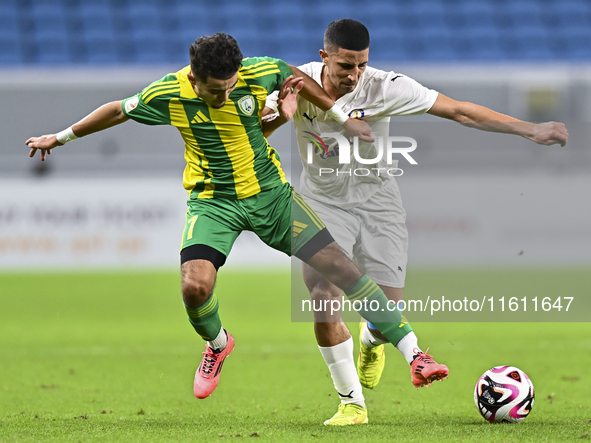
368,296
205,318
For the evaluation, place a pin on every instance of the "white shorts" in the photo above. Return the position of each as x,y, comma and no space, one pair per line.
373,235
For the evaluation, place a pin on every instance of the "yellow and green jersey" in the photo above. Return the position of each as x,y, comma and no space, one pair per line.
226,153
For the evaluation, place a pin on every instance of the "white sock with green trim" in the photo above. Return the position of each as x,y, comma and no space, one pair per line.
369,339
409,346
341,365
219,343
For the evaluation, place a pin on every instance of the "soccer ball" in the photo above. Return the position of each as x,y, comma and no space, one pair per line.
504,394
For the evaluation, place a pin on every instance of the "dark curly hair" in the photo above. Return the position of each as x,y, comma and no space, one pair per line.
216,56
346,33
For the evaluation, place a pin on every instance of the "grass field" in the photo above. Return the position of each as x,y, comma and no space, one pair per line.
111,357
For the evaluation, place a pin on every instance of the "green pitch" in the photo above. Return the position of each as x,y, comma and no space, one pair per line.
111,357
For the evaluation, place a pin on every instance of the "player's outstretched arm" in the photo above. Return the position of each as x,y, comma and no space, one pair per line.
480,117
104,117
314,93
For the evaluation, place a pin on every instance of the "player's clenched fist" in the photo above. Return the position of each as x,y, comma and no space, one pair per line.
359,128
550,133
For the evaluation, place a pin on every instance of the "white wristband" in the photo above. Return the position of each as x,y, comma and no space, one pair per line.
65,136
338,114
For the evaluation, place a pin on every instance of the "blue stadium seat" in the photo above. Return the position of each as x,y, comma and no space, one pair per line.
533,43
577,41
51,34
53,47
437,44
197,21
475,15
95,18
144,18
148,48
101,46
430,13
9,20
155,31
567,13
518,13
389,43
472,44
145,33
191,20
10,50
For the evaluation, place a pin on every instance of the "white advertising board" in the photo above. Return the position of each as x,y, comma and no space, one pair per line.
453,221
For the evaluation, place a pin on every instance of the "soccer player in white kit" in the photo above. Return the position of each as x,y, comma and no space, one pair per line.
364,212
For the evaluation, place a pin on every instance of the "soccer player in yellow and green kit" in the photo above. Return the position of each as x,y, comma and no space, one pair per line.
234,180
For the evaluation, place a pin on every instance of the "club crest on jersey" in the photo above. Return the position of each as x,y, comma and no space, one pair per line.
246,104
357,113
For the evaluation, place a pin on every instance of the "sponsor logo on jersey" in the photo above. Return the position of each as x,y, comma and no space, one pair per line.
309,118
200,117
246,104
357,113
131,104
298,227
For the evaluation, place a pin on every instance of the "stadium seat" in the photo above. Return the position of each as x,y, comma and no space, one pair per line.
10,51
53,49
475,15
577,41
101,46
477,44
9,21
109,31
430,14
518,13
389,43
567,13
436,43
533,43
96,20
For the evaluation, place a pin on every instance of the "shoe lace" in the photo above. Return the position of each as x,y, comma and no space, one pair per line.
425,358
209,361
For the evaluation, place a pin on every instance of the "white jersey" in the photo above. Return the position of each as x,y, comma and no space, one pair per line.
378,96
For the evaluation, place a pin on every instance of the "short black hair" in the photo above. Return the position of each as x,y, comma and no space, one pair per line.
346,33
216,56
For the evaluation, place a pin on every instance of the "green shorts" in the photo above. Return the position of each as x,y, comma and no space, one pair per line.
279,216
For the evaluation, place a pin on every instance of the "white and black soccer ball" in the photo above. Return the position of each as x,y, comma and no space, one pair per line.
504,394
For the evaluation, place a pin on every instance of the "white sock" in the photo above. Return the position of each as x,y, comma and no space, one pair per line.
341,365
369,339
220,342
408,346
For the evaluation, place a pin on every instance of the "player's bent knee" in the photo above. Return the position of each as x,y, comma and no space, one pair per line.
324,290
196,291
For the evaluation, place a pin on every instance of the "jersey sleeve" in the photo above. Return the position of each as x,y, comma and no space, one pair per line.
405,96
272,101
267,72
273,97
151,106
